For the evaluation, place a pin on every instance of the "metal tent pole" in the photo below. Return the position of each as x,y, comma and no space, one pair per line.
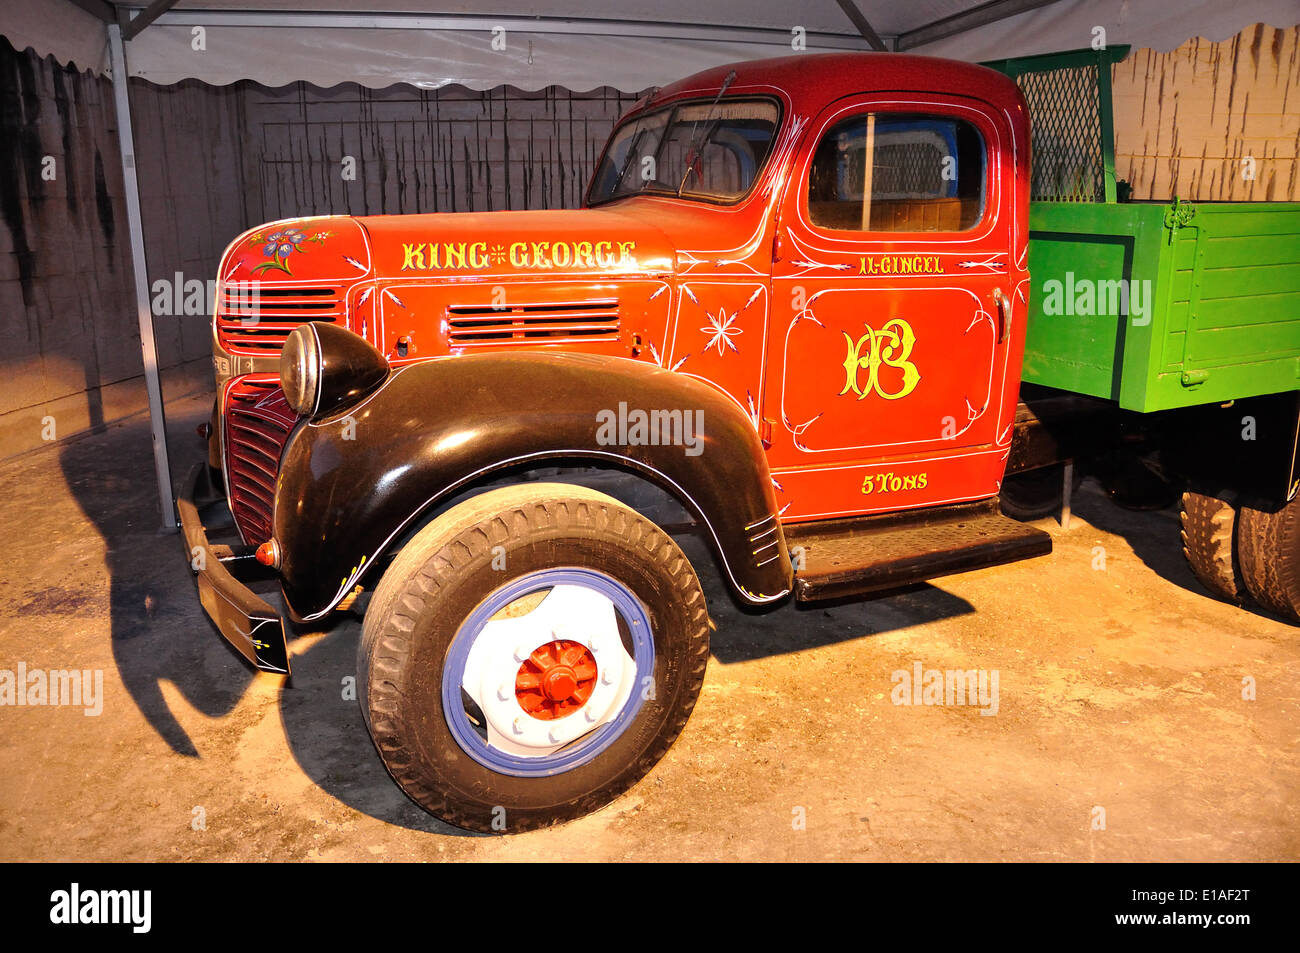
157,419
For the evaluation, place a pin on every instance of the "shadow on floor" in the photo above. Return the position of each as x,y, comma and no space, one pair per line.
158,631
1155,539
745,634
328,737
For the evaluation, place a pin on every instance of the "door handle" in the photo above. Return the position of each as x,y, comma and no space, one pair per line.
1004,313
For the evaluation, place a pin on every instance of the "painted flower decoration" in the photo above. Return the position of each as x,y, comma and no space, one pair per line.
279,245
721,329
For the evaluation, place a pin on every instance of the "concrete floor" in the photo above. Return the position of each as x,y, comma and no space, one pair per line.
1119,688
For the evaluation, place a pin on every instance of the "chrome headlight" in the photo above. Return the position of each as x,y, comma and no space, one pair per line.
300,369
323,368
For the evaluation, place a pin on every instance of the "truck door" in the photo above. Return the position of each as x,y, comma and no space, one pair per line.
892,292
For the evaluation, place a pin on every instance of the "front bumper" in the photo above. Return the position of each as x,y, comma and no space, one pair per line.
246,620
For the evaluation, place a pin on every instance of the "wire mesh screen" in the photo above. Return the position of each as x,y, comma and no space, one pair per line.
1065,135
909,169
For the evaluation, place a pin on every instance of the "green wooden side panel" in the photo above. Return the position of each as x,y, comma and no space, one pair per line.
1158,307
1077,337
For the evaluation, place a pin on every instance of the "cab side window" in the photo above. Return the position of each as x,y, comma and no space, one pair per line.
898,172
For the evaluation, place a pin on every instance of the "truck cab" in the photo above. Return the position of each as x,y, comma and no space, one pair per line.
838,253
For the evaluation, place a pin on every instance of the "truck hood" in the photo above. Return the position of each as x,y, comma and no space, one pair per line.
296,251
517,244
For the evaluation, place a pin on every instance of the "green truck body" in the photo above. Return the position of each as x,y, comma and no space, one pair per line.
1158,306
1153,305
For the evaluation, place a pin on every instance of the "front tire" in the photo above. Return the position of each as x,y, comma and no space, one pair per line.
530,655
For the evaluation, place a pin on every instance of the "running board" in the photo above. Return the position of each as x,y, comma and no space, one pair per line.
851,557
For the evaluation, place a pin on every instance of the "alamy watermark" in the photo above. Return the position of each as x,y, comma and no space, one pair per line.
1086,296
651,428
71,688
73,906
932,686
177,297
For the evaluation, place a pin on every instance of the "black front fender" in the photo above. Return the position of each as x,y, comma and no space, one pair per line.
350,484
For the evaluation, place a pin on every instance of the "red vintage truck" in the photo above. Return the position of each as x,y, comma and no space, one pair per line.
797,303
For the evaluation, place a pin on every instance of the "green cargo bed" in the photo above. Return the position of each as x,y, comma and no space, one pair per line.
1158,306
1222,317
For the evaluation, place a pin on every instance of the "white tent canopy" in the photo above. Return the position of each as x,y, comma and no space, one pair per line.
584,45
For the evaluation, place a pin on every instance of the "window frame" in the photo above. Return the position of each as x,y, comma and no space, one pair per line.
973,112
698,197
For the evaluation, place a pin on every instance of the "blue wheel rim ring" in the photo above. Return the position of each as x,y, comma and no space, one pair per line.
591,745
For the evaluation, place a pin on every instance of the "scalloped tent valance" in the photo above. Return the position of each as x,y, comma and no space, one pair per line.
580,45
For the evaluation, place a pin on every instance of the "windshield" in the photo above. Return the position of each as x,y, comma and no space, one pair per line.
711,151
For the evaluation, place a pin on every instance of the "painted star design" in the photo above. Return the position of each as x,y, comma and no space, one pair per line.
720,328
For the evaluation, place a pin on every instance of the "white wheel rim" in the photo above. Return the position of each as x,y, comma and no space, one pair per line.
568,613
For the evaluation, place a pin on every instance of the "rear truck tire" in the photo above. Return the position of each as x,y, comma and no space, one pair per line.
530,655
1268,546
1209,544
1035,494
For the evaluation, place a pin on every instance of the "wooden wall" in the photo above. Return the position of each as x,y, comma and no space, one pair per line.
449,150
1186,120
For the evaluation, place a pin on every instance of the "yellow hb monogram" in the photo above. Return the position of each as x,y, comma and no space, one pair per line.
891,346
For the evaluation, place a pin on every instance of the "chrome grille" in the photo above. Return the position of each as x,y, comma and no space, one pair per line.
584,321
258,420
257,320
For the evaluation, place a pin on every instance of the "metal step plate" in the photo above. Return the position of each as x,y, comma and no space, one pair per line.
841,558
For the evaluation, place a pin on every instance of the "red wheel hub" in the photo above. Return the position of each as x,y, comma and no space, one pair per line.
556,680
